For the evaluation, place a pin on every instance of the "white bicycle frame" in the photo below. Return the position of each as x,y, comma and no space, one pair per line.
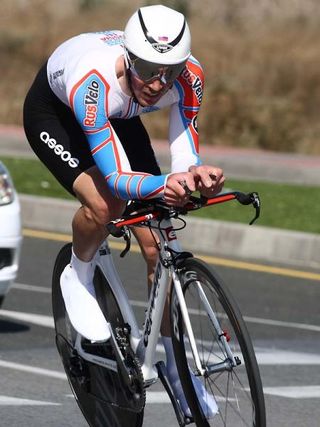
144,343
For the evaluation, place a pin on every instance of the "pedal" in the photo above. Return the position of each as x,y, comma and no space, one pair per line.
162,372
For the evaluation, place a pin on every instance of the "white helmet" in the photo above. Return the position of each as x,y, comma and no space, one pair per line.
159,35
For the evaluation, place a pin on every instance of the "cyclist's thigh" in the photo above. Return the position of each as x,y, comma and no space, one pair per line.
136,143
54,134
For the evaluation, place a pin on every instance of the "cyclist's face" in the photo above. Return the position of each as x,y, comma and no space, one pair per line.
148,93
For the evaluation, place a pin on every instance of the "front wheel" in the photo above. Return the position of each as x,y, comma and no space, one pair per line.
225,349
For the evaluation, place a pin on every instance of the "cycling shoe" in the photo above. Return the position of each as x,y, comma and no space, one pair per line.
82,307
207,401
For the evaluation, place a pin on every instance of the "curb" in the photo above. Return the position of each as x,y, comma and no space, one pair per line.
219,238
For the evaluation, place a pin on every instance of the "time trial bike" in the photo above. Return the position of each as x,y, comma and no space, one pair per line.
210,338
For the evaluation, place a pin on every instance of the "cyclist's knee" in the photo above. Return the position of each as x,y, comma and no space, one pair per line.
101,211
98,202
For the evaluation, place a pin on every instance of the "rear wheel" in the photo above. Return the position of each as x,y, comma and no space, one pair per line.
237,386
100,392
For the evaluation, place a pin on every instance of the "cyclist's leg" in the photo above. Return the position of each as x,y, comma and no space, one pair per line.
98,208
49,125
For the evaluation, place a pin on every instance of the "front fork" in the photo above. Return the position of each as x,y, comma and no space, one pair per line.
187,322
231,361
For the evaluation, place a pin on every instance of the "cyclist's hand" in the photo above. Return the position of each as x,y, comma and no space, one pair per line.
176,192
209,179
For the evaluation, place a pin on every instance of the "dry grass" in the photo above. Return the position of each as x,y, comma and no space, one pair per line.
261,61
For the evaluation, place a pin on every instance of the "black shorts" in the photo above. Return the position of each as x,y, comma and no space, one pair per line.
58,140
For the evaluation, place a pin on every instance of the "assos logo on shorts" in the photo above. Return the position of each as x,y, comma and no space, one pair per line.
58,149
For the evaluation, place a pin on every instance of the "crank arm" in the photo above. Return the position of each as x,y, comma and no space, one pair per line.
120,361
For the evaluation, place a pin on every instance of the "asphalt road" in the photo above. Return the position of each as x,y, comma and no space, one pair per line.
282,314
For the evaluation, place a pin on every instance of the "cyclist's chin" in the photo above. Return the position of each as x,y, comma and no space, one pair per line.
148,101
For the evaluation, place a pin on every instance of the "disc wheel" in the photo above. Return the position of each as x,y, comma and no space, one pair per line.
99,391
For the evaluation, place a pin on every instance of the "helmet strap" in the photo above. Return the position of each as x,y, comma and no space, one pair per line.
128,74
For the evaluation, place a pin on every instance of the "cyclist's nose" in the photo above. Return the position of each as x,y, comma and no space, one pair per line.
156,86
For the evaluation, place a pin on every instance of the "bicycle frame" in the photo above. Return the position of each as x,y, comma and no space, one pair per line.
144,343
165,273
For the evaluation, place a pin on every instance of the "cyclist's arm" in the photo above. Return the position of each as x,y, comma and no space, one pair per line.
183,133
88,100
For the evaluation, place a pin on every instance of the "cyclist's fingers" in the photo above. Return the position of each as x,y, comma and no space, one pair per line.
181,183
189,183
211,191
207,175
212,177
214,187
172,199
219,181
218,188
177,190
175,202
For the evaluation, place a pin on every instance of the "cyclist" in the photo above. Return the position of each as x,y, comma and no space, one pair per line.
81,117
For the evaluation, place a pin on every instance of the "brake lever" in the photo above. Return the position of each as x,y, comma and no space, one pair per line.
127,238
250,199
121,232
256,203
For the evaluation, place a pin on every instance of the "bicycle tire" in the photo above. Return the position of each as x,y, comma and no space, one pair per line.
238,392
99,392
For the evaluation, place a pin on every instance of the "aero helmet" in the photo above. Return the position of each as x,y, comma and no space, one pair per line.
154,37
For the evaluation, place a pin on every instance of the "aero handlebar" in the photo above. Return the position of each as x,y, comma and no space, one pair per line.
141,212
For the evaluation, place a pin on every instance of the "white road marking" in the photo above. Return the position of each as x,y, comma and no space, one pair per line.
31,288
271,357
157,397
33,370
281,323
264,356
15,401
154,397
248,319
36,319
299,392
279,357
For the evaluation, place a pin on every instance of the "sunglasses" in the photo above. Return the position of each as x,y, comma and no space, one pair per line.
150,71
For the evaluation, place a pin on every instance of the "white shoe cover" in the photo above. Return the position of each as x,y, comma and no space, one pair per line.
207,401
84,312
